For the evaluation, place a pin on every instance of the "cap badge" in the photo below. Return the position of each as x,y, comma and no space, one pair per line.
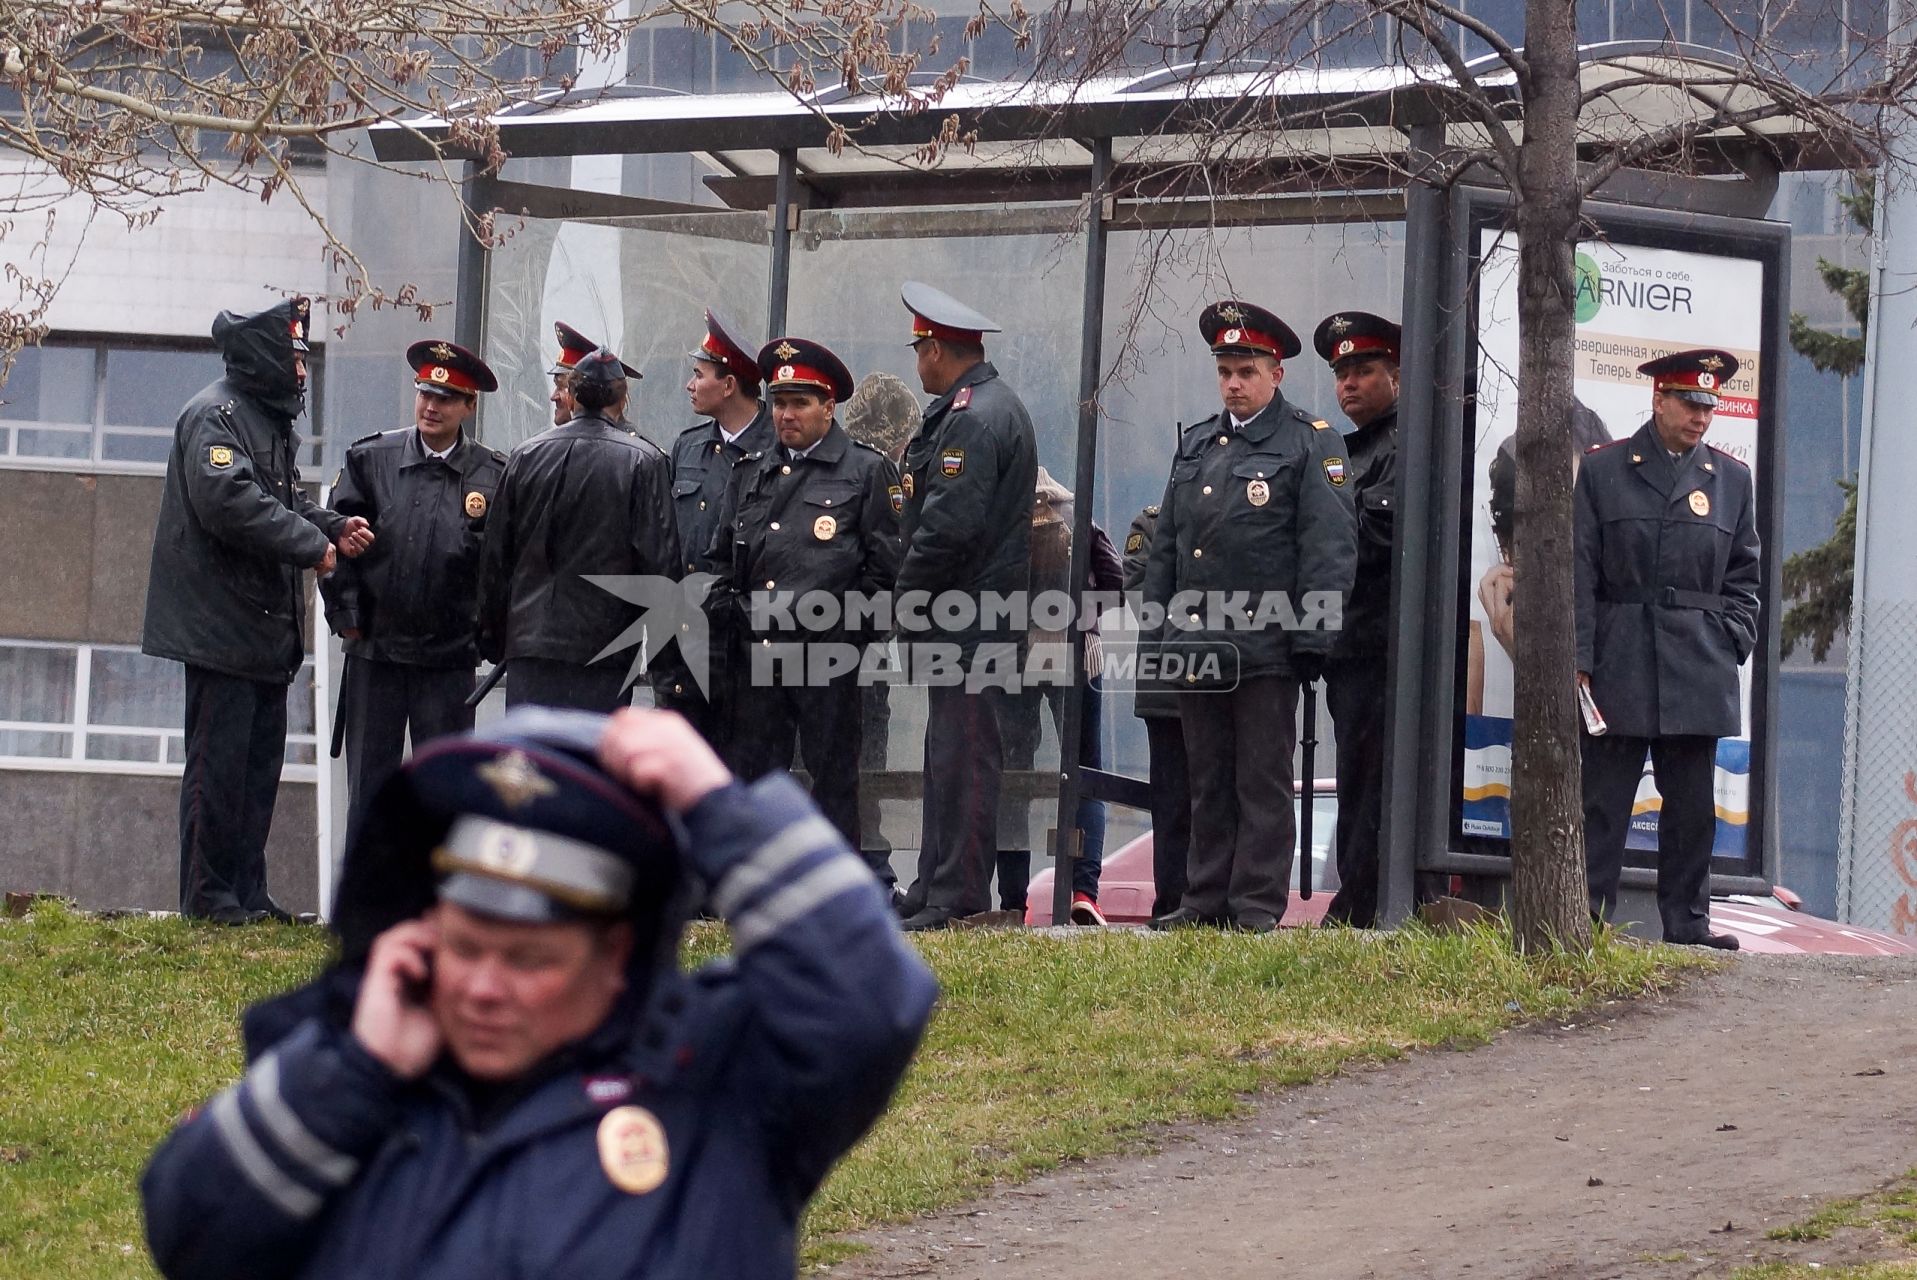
1230,335
785,351
438,373
1706,381
475,504
1712,363
1231,313
1700,503
632,1150
1339,324
516,780
441,351
507,850
1258,493
784,374
824,527
1346,347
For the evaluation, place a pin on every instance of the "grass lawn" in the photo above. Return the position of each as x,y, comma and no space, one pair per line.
1045,1050
1872,1237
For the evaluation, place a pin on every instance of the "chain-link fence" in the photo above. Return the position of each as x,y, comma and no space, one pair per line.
1877,839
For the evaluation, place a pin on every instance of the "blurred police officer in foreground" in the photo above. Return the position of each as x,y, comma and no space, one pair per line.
1362,350
589,497
724,390
1259,504
505,1073
408,609
1155,701
968,479
1666,582
226,597
812,513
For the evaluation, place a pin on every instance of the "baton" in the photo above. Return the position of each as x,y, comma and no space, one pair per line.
486,686
1311,786
339,708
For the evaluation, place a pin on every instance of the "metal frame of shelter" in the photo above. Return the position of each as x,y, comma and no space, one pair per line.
1340,143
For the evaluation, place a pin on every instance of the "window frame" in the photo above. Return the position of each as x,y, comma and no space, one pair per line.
79,724
101,345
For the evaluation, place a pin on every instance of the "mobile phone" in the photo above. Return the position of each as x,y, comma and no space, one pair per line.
419,990
1587,707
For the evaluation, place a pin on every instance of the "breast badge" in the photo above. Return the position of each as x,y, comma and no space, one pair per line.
824,527
1258,492
905,483
1700,503
632,1150
475,504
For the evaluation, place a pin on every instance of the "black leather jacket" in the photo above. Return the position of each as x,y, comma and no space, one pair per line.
589,497
414,596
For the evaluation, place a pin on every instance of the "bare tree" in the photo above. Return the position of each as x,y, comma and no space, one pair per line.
1525,116
125,105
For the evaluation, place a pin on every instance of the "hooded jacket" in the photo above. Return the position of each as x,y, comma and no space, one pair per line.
235,529
756,1073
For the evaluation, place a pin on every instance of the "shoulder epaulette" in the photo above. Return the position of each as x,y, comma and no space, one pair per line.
368,439
863,445
1606,445
963,400
1151,511
1728,454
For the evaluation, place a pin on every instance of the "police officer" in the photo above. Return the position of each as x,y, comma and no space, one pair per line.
591,497
1257,524
724,388
968,479
408,609
226,597
1666,580
1362,350
811,514
505,1072
573,347
1155,701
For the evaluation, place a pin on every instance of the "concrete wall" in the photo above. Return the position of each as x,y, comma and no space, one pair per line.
73,553
110,841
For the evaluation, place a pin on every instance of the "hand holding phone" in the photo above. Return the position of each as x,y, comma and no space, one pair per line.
394,1017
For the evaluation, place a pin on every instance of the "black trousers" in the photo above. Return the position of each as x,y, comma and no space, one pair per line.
548,682
1355,696
235,746
823,722
383,701
1171,810
964,764
1238,745
1685,768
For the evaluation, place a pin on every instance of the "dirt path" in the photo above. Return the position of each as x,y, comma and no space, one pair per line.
1585,1151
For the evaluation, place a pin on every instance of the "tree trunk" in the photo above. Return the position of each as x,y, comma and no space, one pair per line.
1549,903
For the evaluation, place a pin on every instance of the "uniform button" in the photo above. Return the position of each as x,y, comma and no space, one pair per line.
768,584
785,471
1207,489
1224,439
775,524
678,688
1198,553
716,446
1191,677
1194,617
828,502
702,505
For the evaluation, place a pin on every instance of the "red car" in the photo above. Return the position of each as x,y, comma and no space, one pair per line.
1775,924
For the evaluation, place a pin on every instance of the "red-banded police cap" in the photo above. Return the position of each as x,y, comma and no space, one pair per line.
1233,327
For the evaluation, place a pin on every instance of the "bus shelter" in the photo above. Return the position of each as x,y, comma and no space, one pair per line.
1094,223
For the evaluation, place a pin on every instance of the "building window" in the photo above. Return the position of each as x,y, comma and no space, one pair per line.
110,404
112,709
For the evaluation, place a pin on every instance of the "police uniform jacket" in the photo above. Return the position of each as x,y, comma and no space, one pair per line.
702,463
236,530
762,1070
414,595
969,476
588,497
1260,510
1666,578
1149,697
1372,457
824,522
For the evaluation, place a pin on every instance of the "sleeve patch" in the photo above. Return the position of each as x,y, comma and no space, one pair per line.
897,494
219,455
1335,471
952,462
1133,543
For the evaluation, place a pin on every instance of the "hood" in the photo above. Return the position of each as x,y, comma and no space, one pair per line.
258,350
